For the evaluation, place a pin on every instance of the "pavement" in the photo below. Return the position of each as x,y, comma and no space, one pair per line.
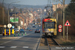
1,36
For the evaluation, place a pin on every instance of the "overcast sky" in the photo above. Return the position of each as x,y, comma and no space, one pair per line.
33,2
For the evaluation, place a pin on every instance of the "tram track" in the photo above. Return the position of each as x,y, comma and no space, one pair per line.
47,44
54,43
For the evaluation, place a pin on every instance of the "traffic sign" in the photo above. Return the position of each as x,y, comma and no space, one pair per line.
14,20
12,26
67,23
60,26
4,26
60,30
9,25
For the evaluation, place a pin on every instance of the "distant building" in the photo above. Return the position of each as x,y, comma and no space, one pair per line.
58,6
31,17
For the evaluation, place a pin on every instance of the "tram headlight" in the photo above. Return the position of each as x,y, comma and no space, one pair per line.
46,30
51,31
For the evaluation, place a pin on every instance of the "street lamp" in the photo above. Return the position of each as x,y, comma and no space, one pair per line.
63,18
3,10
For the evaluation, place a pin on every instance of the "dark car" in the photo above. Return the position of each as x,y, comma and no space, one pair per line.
22,31
37,31
33,26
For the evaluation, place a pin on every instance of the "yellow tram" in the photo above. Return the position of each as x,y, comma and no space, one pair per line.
49,26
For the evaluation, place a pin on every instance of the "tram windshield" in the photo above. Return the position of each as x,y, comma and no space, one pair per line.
49,25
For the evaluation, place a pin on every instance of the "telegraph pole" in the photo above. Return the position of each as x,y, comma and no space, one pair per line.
63,18
3,11
8,15
3,14
56,13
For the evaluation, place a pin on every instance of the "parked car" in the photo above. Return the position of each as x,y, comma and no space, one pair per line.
37,31
22,31
16,30
33,26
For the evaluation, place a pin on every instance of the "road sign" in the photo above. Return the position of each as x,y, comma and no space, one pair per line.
60,30
67,23
12,26
60,26
12,31
9,25
14,20
4,26
4,31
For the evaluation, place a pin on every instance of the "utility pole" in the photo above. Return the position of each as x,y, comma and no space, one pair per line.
3,14
8,15
63,18
56,13
3,11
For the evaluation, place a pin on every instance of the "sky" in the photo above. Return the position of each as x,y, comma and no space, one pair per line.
33,2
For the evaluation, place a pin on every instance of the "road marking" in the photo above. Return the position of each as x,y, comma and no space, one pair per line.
2,46
25,47
13,47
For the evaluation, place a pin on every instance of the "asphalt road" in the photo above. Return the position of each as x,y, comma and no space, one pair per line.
25,42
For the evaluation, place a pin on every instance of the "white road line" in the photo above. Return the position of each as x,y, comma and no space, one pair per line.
2,46
25,47
13,47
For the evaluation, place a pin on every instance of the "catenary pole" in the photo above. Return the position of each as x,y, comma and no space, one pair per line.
63,18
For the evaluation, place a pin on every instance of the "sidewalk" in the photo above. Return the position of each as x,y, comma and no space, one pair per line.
1,36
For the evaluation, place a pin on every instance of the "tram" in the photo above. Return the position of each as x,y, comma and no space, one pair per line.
49,26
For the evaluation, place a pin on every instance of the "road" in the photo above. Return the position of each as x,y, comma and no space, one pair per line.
25,42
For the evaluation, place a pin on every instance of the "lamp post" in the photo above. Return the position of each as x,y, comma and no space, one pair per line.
3,11
63,18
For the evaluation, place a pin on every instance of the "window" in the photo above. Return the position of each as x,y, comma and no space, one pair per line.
49,25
